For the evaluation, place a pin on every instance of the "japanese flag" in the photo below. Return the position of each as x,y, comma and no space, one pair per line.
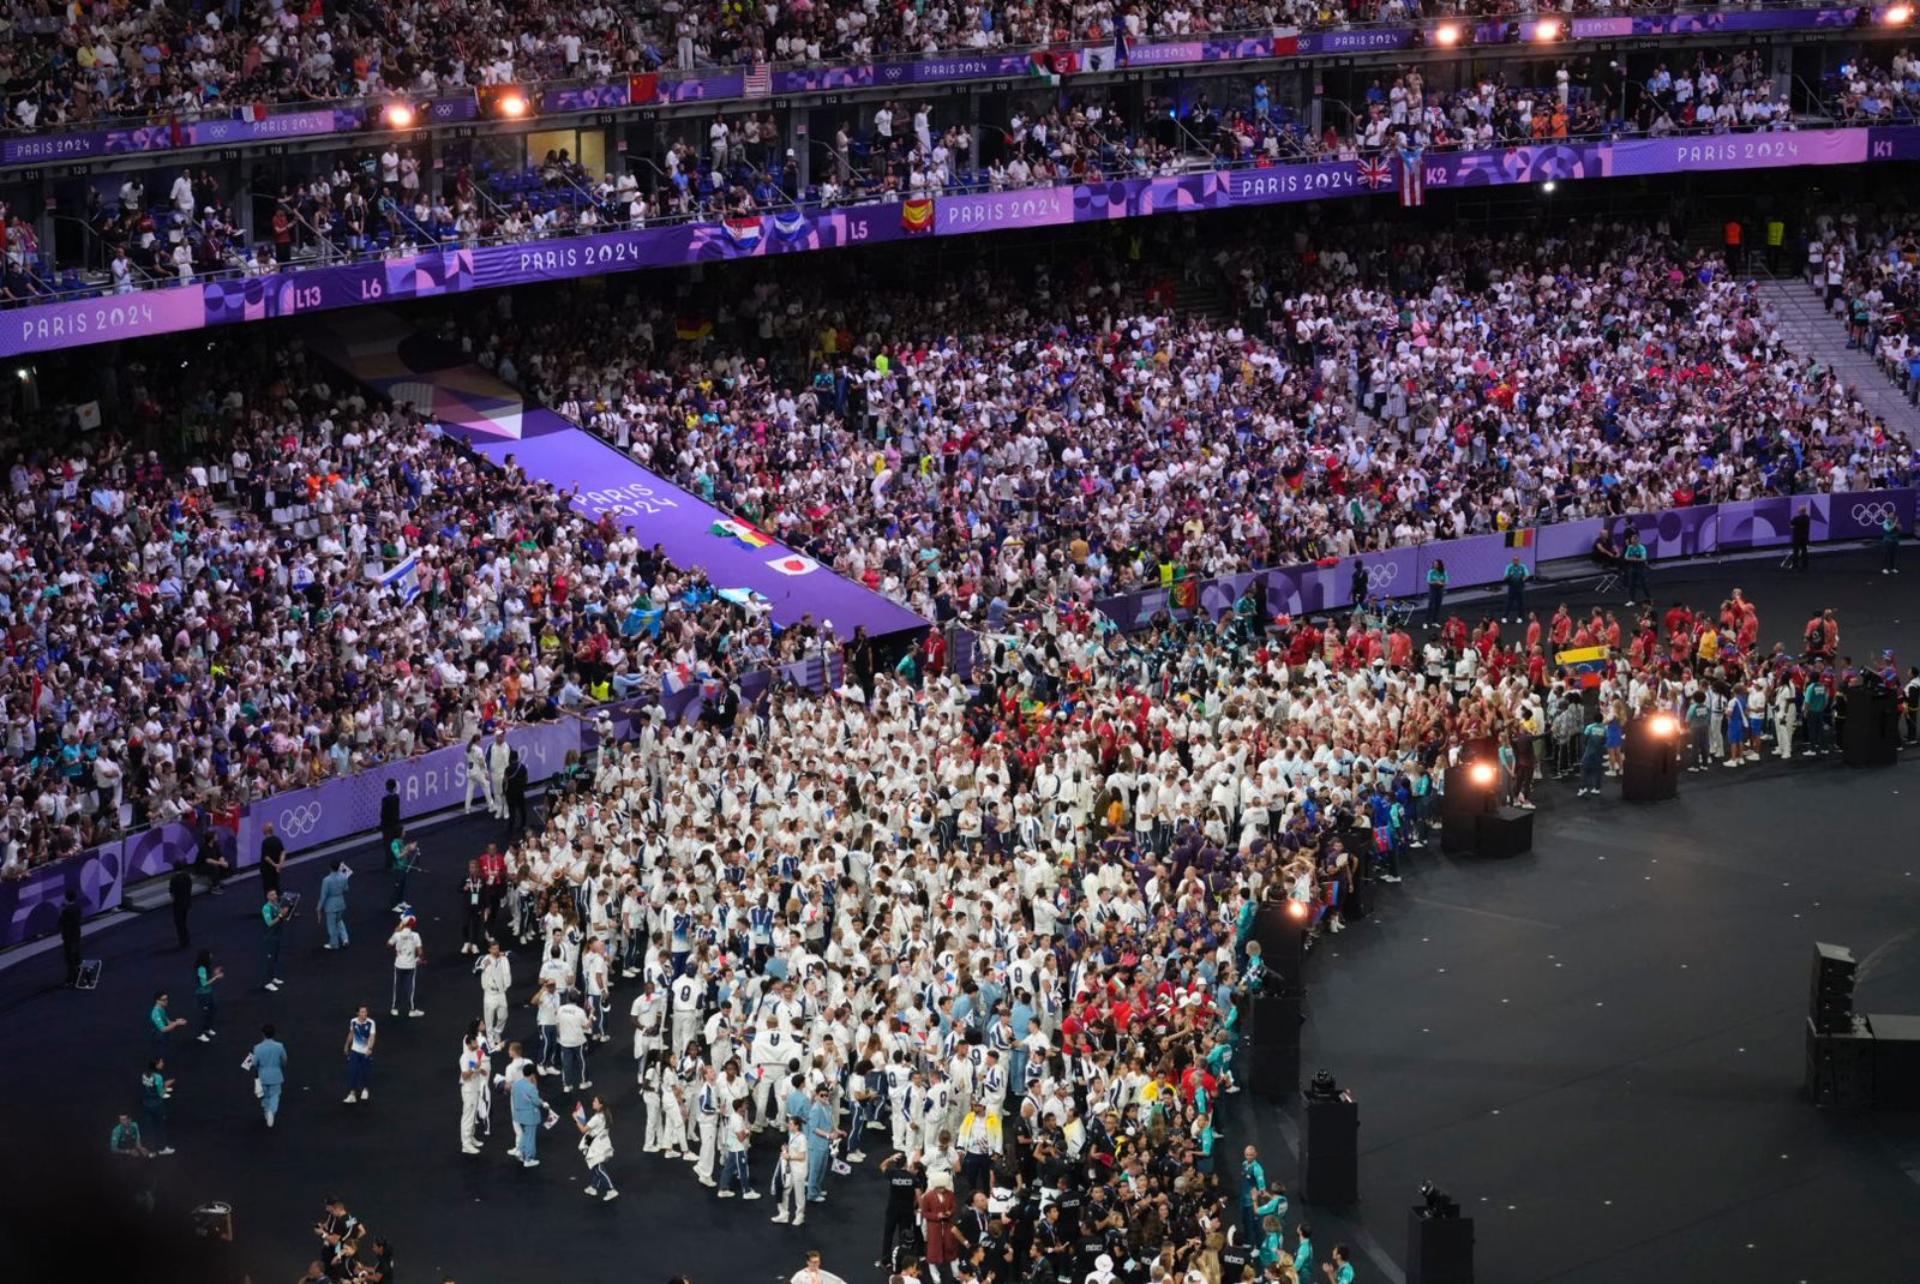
793,564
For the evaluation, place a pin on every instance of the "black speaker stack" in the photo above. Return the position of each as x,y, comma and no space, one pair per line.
1839,1071
1439,1245
1273,1036
1330,1147
1856,1063
1651,771
1870,731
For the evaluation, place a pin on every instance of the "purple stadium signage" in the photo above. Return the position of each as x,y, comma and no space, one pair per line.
75,323
493,420
228,132
340,808
1480,560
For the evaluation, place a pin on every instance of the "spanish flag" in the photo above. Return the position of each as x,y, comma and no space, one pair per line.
916,215
1520,537
693,329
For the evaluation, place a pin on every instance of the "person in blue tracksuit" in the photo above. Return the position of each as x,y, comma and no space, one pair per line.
269,1058
333,905
528,1114
821,1135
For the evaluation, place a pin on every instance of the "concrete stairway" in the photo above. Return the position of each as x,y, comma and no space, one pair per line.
1811,331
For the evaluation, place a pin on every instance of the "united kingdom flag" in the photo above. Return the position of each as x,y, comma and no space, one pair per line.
1375,172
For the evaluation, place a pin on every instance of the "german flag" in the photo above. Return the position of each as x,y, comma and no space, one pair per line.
916,215
1520,537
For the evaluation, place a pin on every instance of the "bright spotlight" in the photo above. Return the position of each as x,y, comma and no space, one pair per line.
1549,186
398,115
1296,909
1897,15
1547,30
512,104
1447,35
1664,725
1484,774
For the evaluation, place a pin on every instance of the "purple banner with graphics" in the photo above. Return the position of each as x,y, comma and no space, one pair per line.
74,323
576,98
42,148
344,808
1480,560
494,420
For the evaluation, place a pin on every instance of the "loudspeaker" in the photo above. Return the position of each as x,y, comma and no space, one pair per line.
1282,943
1456,832
1840,1069
1273,1045
1870,733
1830,991
1896,1060
1462,796
1439,1249
1503,833
1651,772
1330,1152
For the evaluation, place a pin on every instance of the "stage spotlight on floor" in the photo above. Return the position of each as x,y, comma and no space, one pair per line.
1652,769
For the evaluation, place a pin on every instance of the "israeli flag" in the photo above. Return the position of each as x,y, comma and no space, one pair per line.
404,579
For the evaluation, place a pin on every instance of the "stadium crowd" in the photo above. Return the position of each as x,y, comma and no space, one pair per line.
1002,934
1867,270
1369,393
88,63
316,585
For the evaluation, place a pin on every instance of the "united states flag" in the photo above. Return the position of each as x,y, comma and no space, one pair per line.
759,80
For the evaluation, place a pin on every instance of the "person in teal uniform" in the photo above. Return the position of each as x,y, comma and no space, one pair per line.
155,1089
1206,1136
1303,1254
1253,1180
205,974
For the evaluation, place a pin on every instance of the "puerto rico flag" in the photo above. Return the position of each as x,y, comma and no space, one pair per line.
744,230
1375,172
1413,177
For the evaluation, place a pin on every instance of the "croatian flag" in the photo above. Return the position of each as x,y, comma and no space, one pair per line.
744,230
759,82
1413,177
404,579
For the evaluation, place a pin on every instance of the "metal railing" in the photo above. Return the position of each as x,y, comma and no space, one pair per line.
535,90
1184,163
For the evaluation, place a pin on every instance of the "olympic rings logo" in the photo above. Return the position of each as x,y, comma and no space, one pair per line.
298,821
1381,574
1875,514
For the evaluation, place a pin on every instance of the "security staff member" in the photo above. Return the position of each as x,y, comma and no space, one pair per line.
516,796
390,820
180,892
273,858
906,1179
1802,527
70,938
